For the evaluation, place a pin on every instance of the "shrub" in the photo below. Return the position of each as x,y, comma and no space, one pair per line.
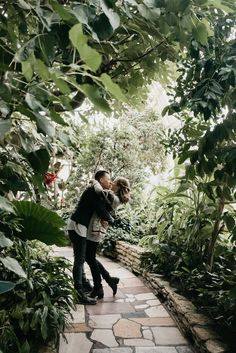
36,311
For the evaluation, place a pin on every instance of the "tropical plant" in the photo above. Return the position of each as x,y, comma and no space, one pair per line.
178,241
182,221
56,53
204,100
123,229
37,309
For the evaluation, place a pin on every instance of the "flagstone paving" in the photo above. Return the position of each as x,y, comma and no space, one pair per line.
133,321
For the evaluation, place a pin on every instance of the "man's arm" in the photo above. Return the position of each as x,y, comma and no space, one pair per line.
101,210
101,193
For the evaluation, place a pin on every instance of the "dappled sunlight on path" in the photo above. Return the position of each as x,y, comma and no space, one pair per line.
134,321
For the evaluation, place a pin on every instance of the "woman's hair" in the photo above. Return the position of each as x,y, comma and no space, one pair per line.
123,189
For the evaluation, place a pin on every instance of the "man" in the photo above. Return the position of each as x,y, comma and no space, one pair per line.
89,203
96,230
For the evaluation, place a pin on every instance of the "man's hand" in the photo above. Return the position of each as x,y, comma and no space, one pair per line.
104,223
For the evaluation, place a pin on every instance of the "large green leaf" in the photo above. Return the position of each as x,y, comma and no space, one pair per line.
102,27
5,126
6,286
89,55
24,110
45,125
44,328
4,108
64,138
57,118
63,12
33,103
200,33
13,265
113,17
41,69
23,4
39,160
149,14
112,87
40,223
61,84
5,92
4,241
84,13
229,221
93,93
27,70
6,205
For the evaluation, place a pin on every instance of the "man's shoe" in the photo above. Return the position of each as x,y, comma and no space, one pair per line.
85,299
87,286
112,282
97,293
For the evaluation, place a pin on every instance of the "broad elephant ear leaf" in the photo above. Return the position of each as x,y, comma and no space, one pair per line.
39,160
38,222
13,265
6,286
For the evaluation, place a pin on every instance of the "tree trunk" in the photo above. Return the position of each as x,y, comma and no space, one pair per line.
216,231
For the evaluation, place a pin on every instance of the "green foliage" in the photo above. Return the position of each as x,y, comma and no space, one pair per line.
178,236
6,286
182,220
132,223
123,229
56,54
128,146
213,291
12,265
204,102
37,222
53,55
32,221
37,308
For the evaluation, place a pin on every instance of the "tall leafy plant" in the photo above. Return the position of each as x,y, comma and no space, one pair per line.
184,221
34,313
204,102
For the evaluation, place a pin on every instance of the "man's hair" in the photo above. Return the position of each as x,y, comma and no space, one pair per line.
99,174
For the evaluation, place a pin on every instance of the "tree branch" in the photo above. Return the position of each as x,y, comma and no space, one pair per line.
79,97
138,59
143,55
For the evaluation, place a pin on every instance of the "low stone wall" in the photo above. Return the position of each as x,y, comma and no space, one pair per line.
196,326
132,256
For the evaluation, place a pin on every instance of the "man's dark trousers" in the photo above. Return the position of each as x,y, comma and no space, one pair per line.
79,248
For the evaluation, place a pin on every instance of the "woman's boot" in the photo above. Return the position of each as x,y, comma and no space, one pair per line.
112,282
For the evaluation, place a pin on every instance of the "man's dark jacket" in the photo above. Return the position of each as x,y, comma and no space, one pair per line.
89,203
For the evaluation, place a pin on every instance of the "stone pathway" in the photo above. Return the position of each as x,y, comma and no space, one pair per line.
134,321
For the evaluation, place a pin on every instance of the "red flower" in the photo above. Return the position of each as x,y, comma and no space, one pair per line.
49,178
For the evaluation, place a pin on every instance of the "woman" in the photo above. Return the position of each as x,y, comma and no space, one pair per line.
119,194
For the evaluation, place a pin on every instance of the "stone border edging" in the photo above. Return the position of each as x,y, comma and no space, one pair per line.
196,326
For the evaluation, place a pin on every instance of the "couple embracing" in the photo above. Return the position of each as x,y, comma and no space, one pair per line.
87,225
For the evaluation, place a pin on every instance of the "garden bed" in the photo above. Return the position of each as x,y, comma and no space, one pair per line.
197,327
